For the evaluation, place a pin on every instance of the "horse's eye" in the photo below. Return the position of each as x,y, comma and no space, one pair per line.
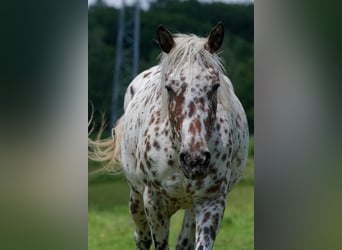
215,86
168,89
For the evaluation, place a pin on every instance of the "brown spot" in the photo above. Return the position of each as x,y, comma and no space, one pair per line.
206,217
157,183
213,170
132,90
206,230
199,230
141,166
200,102
214,189
152,120
215,220
174,200
212,233
206,64
147,74
170,162
192,108
198,125
148,146
146,101
199,183
188,187
192,130
134,206
237,123
230,151
148,164
223,204
238,160
156,145
154,172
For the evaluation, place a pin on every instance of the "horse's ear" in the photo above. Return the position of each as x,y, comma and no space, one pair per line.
165,39
215,38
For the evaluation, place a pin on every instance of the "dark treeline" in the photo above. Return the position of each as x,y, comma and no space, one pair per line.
181,17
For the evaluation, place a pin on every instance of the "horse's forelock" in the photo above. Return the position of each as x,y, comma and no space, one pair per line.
189,49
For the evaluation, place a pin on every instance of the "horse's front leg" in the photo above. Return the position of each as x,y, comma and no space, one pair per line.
208,220
186,238
142,235
158,217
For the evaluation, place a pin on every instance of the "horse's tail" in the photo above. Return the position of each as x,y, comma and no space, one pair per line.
107,151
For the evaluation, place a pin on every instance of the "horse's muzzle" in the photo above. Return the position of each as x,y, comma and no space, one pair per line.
195,164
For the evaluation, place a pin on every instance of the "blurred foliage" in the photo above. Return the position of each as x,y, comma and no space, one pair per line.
181,17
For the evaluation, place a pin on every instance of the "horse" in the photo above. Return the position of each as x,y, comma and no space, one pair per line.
182,142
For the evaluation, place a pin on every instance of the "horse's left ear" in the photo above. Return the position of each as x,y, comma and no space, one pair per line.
165,39
215,38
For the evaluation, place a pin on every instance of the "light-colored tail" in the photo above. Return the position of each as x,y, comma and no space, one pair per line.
107,151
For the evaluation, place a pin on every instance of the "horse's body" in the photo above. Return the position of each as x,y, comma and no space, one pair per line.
184,142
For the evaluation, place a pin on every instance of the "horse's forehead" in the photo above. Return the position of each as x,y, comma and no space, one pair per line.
199,78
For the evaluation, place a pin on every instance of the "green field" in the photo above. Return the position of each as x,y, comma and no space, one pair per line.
110,225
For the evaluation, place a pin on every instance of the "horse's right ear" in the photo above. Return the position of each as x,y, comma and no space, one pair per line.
165,39
215,38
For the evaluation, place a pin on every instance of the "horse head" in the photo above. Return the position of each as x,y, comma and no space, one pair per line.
190,82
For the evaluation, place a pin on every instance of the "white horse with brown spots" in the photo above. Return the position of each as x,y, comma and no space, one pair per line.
184,141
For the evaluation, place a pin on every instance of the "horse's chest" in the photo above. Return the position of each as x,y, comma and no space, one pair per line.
159,160
183,193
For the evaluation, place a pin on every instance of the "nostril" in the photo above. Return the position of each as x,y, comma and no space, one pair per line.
207,157
182,157
195,158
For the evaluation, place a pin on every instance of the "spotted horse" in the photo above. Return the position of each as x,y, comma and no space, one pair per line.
182,140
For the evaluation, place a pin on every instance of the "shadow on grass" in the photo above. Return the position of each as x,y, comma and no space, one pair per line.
106,191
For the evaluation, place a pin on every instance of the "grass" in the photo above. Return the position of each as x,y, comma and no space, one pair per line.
110,225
